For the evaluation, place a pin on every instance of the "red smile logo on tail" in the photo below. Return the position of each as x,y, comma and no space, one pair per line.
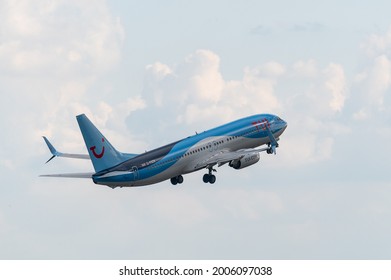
101,153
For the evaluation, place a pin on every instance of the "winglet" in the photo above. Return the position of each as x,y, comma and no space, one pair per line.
53,150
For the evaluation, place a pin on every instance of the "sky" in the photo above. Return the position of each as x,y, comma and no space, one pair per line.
148,73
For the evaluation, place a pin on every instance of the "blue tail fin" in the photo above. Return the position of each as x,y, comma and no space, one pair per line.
103,155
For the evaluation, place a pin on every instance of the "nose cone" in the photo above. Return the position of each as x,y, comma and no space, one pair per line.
284,125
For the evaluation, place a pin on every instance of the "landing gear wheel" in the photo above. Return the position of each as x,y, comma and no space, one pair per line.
174,180
177,180
209,178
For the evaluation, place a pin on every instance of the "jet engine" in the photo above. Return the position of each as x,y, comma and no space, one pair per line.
245,161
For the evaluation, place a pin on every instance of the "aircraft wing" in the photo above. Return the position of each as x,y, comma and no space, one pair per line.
56,153
224,157
70,175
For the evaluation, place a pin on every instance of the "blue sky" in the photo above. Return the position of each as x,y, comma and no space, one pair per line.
148,73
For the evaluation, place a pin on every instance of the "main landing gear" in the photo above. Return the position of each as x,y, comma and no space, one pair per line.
209,178
177,180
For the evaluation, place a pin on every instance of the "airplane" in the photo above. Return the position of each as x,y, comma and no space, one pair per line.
234,143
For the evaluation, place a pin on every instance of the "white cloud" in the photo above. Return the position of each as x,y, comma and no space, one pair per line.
377,44
155,76
196,79
195,89
32,41
204,77
258,88
326,90
51,53
20,18
195,113
335,83
374,81
379,79
305,148
310,107
184,89
271,69
198,96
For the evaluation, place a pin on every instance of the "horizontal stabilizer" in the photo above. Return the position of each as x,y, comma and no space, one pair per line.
70,175
56,153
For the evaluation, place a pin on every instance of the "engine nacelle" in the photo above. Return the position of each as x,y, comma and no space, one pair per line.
247,160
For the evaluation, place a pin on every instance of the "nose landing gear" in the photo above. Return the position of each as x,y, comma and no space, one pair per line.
272,148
